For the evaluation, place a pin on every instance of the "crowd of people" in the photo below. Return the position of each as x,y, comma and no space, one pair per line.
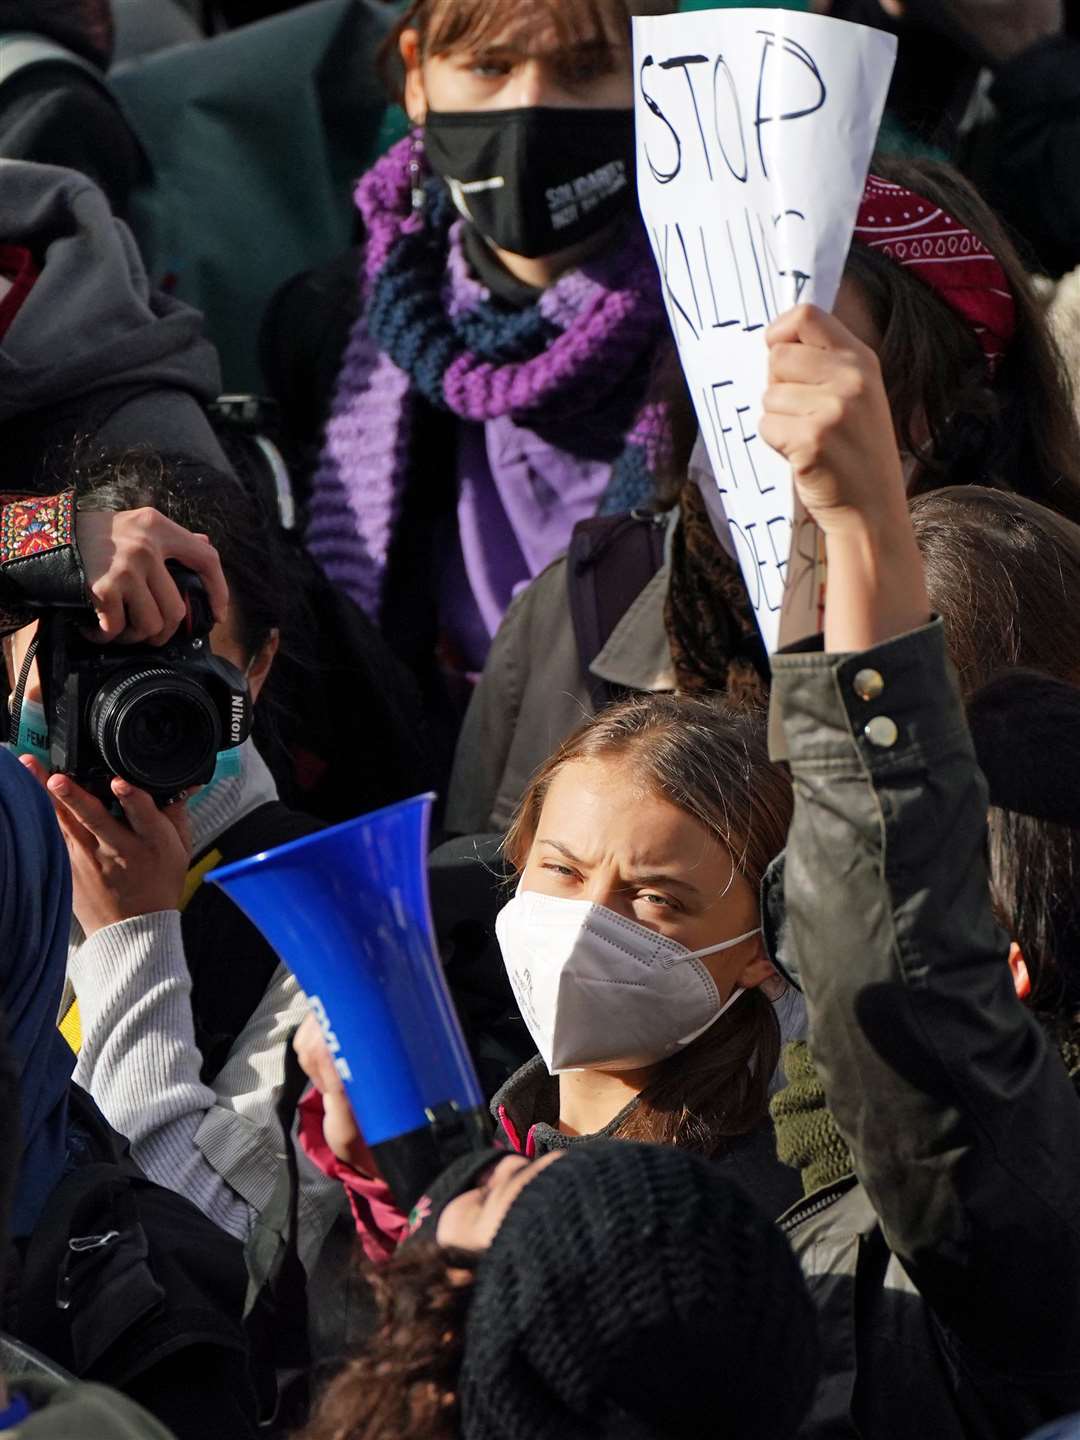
768,965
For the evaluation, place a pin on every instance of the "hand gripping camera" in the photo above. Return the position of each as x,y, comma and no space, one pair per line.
154,715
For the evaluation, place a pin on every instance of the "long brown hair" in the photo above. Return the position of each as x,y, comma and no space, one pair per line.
403,1384
1016,431
1004,574
445,25
712,763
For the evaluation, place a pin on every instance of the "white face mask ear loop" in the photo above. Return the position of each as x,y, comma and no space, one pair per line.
735,994
728,1003
724,945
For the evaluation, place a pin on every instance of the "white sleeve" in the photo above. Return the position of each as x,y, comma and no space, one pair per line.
139,1060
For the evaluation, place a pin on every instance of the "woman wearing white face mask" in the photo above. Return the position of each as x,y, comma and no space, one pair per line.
633,944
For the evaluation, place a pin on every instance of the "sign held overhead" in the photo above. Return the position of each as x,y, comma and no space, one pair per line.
755,130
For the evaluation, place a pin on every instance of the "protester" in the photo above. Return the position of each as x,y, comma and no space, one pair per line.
977,395
55,107
959,1118
493,387
584,1296
183,1010
633,948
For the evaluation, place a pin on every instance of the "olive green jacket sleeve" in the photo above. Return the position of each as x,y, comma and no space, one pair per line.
529,698
963,1124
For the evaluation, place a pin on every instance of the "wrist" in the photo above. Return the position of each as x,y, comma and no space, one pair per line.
875,588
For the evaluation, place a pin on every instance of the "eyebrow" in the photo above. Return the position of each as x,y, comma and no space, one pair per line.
652,877
508,51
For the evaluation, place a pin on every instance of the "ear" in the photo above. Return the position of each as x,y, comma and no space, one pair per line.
759,971
260,667
1018,966
415,95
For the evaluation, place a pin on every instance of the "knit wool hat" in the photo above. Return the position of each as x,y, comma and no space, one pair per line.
465,1173
633,1292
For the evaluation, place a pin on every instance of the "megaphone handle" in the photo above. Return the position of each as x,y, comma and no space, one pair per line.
410,1162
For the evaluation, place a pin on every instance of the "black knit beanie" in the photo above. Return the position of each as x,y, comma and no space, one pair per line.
635,1291
465,1173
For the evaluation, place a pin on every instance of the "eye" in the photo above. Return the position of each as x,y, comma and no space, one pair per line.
652,897
487,67
583,72
564,871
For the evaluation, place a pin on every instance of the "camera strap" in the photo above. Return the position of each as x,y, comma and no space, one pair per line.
15,717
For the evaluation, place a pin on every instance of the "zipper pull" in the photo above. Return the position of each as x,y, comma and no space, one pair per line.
78,1245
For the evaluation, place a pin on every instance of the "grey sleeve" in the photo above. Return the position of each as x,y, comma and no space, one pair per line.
139,1060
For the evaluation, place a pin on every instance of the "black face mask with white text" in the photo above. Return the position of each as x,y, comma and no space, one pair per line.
536,180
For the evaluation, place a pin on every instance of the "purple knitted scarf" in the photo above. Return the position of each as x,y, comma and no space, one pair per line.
430,334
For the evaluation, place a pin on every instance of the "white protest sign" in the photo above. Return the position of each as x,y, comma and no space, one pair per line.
755,130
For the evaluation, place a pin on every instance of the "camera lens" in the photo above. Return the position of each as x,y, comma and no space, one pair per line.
156,728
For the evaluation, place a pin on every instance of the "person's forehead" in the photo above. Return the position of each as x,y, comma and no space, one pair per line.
601,803
533,34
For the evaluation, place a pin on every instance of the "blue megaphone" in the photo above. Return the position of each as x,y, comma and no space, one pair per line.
347,911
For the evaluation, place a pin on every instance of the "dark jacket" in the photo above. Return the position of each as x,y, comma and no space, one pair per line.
526,1112
93,351
948,1273
55,114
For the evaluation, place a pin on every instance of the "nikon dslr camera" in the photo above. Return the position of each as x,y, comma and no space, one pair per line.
154,715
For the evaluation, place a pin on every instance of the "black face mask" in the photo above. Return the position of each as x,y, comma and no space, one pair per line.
537,180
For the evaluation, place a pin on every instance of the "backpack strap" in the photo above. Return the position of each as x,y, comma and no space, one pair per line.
266,827
213,926
276,1311
610,561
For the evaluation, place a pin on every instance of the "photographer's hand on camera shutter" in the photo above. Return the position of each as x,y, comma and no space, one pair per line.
119,871
124,557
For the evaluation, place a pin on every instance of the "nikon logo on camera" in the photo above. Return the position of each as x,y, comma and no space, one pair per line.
236,724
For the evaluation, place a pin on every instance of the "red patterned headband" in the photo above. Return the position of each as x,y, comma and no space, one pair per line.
945,255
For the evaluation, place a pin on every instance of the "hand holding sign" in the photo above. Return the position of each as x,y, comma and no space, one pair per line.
827,413
755,130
